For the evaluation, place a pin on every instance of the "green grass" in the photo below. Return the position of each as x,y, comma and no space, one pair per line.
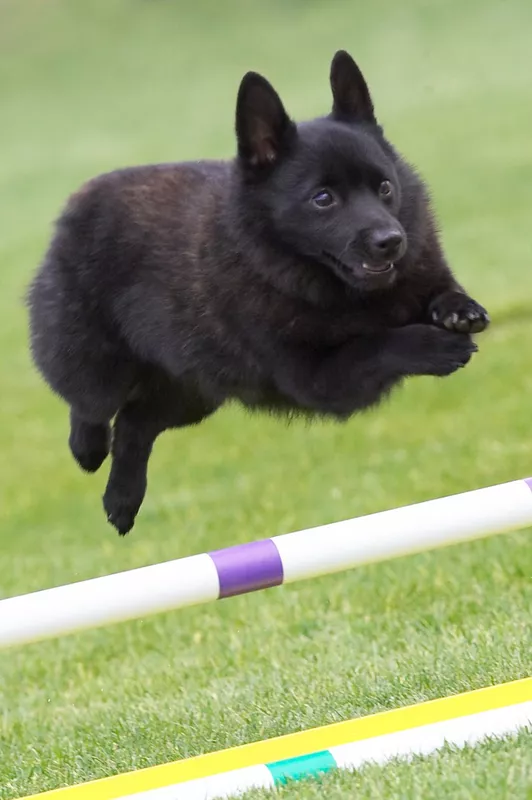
87,86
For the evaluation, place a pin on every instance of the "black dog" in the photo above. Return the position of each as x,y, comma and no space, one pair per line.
305,276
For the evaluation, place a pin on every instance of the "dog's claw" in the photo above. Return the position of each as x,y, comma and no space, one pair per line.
463,325
451,322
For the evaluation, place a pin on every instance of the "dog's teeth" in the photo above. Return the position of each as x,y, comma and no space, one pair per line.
386,268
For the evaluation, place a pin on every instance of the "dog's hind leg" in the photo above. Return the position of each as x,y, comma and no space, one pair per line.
92,371
89,442
160,405
100,391
95,396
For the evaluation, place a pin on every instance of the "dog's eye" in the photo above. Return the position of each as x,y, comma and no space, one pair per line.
385,190
323,199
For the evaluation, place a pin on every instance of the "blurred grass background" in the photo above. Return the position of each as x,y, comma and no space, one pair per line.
90,86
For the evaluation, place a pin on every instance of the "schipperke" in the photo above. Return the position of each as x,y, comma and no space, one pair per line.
304,276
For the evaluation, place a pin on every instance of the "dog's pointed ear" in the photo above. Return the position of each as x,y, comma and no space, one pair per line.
263,128
351,97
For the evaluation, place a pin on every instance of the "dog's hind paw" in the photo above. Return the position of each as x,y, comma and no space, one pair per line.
123,519
458,312
121,508
89,444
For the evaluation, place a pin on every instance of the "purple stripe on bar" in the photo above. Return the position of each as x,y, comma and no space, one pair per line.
248,567
528,482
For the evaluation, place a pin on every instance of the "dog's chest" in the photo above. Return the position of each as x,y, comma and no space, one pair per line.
332,326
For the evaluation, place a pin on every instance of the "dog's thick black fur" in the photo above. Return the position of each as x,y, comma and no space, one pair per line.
304,276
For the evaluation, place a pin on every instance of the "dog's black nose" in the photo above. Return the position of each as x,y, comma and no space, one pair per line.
386,244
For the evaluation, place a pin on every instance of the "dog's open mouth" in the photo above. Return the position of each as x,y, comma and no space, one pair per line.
380,269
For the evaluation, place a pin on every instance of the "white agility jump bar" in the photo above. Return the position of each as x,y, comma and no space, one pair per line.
269,562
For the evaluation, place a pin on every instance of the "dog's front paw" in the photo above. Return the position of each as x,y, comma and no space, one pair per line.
457,312
428,350
449,352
